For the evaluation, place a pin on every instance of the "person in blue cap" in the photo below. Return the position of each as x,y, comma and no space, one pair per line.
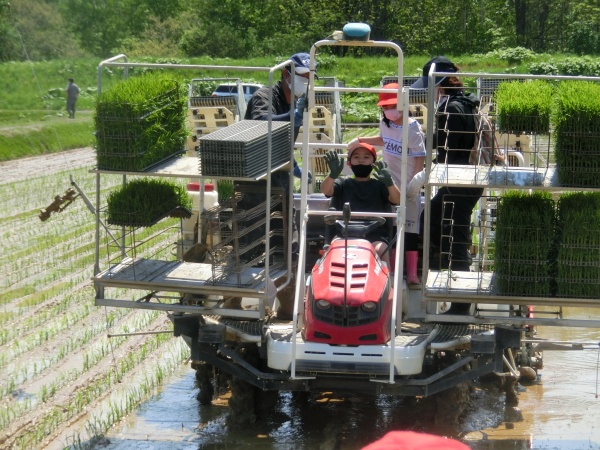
281,109
259,108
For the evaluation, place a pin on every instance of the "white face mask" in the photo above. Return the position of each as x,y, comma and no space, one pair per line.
300,85
392,114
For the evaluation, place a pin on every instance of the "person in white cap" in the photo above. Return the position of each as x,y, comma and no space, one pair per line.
258,106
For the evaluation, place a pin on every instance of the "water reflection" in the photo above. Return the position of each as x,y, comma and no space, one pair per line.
560,413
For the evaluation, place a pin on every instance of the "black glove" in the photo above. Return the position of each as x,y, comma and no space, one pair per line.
335,163
383,174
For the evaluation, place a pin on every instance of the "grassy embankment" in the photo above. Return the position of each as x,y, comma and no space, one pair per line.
33,120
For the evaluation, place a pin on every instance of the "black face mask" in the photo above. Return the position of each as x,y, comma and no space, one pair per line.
361,171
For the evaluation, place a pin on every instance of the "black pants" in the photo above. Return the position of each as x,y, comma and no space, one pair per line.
411,242
450,227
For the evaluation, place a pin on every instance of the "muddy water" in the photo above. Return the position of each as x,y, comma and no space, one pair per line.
563,412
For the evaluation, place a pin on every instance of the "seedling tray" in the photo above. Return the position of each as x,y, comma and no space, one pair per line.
240,150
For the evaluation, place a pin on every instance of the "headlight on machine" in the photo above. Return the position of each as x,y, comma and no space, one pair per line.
323,304
369,306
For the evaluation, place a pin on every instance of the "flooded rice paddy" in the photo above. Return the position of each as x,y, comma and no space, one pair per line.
561,412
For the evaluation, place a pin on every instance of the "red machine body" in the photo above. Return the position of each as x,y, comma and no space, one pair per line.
349,297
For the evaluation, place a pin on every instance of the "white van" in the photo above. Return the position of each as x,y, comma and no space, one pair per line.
231,89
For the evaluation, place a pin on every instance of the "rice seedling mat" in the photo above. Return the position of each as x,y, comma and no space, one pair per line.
139,123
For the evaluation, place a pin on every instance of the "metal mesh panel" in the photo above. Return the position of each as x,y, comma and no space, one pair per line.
578,153
242,238
486,88
578,254
522,260
240,150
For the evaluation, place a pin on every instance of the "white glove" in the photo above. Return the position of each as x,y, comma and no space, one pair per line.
415,185
353,144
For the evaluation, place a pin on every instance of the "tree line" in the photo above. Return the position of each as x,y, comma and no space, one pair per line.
50,29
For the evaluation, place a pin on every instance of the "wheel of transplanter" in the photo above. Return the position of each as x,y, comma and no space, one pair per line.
248,403
451,405
204,380
242,403
244,396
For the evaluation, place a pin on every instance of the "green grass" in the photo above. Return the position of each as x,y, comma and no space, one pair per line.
40,85
49,135
14,118
33,92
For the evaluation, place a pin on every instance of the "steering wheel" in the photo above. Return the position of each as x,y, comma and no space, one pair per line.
360,227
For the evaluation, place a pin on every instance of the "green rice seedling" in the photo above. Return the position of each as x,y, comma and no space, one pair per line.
524,107
144,201
10,412
140,122
146,384
224,190
524,240
576,119
71,305
40,309
578,249
91,392
74,343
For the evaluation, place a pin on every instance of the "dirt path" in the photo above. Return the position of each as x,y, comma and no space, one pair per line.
25,168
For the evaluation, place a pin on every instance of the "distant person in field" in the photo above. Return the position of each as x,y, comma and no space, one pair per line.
72,93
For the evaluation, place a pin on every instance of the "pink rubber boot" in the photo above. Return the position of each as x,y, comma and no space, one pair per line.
412,260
